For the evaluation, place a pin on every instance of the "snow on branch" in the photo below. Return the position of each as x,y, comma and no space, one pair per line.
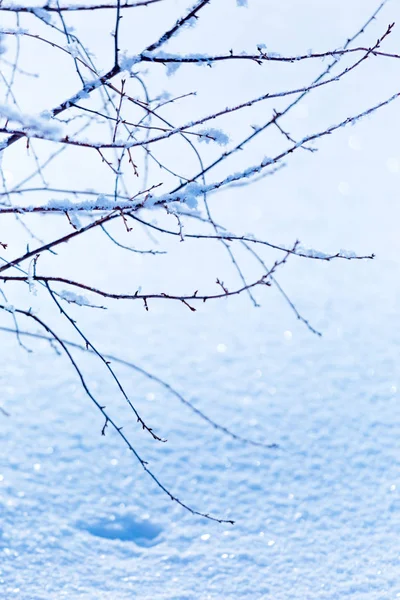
31,125
57,8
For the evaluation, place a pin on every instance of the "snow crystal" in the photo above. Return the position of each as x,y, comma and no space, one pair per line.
347,254
190,22
200,60
41,13
75,222
35,124
127,62
99,203
74,298
9,307
311,253
84,93
172,68
188,195
213,135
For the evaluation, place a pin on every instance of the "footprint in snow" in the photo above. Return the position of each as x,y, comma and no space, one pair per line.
125,528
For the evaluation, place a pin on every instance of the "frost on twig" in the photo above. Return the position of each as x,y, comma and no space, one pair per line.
31,124
72,298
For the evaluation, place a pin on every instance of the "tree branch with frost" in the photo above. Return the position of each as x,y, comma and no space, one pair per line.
136,145
184,298
260,58
277,115
99,82
15,8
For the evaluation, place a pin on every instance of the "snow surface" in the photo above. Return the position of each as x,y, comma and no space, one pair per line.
317,518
